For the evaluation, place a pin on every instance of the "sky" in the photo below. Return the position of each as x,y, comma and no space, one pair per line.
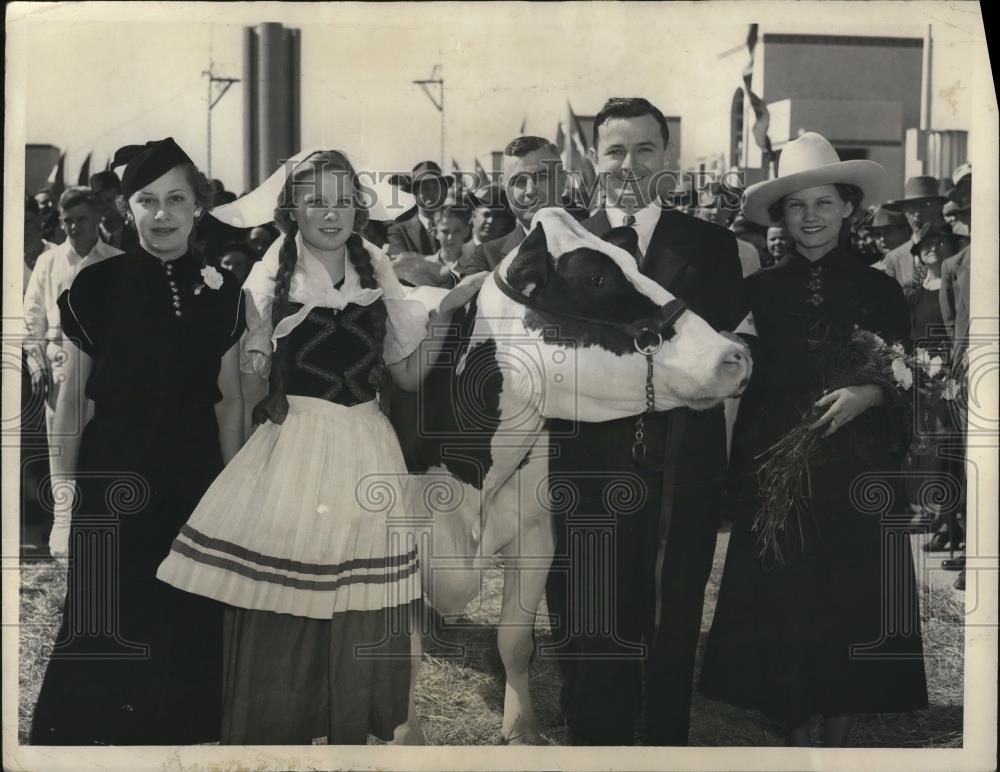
99,76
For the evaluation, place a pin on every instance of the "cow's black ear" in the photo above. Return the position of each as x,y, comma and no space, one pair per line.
625,238
529,271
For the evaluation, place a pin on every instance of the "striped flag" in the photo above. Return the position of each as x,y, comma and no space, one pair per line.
484,178
760,111
56,182
83,178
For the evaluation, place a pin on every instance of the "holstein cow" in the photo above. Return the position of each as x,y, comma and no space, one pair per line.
565,327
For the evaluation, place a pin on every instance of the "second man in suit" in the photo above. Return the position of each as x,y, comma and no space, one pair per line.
533,178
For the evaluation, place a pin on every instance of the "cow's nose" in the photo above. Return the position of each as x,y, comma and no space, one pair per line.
735,364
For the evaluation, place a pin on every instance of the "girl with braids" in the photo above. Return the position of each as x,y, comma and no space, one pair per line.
320,586
154,335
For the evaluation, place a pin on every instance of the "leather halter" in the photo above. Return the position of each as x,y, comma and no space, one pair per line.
647,334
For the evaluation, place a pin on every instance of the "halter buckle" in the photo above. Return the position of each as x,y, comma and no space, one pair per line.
652,348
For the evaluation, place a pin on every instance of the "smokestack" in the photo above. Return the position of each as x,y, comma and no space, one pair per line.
271,99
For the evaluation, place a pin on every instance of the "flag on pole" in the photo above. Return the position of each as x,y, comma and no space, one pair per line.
524,126
56,182
560,140
760,111
577,157
83,178
483,177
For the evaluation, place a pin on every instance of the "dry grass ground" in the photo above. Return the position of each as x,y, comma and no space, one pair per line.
460,693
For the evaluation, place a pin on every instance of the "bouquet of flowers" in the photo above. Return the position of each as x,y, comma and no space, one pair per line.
784,477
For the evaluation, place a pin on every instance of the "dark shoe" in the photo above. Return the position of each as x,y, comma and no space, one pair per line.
960,581
938,543
954,564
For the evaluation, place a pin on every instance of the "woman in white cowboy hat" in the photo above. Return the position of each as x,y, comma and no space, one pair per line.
318,584
810,636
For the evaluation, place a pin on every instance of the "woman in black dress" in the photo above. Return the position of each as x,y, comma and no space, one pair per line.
137,662
834,630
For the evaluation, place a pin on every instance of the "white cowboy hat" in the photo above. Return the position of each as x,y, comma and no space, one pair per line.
806,162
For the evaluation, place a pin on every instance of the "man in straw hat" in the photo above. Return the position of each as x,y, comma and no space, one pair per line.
413,230
921,204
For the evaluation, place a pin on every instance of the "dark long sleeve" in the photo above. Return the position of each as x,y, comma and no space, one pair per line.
730,304
476,261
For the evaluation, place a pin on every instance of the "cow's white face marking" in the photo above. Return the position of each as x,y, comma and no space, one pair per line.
567,369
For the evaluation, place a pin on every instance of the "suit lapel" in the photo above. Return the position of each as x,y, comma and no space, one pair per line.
423,239
664,261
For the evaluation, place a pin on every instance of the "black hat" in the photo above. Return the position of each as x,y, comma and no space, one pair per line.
422,171
104,180
146,163
930,231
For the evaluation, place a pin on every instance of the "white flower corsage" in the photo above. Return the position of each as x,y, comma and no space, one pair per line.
902,373
211,277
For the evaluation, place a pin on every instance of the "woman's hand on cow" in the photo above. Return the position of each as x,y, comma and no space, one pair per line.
463,292
844,405
260,363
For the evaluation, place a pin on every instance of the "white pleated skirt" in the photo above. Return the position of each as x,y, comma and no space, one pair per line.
308,519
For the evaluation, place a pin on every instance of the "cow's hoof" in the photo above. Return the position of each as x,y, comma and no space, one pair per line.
523,735
526,738
408,734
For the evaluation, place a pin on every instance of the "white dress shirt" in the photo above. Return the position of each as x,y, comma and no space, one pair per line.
645,222
54,272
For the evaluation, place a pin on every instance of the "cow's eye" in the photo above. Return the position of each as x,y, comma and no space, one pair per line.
595,280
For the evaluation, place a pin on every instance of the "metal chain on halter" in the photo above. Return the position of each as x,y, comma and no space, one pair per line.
639,451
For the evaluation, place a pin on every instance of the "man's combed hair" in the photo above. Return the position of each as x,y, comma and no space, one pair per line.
459,212
521,146
630,107
75,196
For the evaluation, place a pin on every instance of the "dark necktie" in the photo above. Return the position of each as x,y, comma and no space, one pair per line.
630,223
429,244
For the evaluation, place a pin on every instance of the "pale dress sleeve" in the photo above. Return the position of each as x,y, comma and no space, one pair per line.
406,320
257,338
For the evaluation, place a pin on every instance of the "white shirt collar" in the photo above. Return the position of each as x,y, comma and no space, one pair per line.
100,249
645,221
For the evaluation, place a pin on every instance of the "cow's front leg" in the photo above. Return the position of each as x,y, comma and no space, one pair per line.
410,732
523,589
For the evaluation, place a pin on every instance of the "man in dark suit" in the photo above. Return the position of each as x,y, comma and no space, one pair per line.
532,176
413,230
113,229
645,591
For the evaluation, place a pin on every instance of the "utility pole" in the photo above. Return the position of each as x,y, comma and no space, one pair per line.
213,100
436,79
